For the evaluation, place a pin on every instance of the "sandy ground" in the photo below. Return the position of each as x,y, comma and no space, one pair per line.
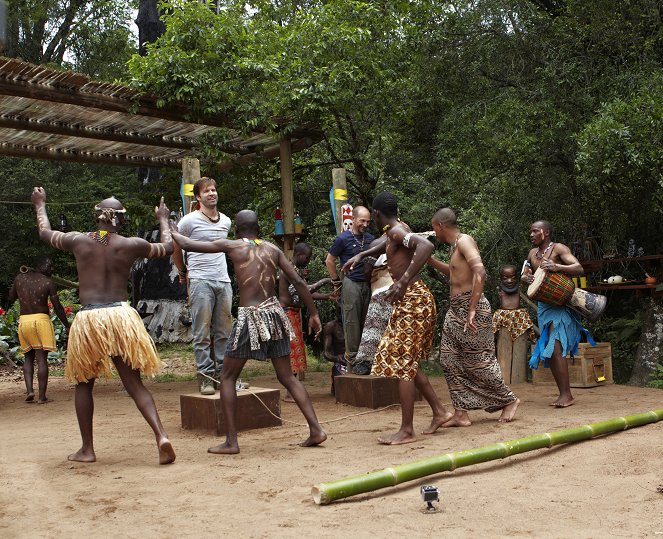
599,488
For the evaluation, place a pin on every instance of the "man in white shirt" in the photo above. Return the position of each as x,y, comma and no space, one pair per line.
210,293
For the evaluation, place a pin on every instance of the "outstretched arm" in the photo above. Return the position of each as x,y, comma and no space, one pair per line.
378,248
468,248
55,238
187,244
435,265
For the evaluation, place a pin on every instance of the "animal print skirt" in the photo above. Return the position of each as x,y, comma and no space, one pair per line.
468,358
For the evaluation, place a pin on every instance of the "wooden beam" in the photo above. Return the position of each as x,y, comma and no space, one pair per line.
95,134
141,107
268,153
76,157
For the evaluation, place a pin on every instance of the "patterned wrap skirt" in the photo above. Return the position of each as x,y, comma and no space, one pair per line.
297,345
409,335
468,358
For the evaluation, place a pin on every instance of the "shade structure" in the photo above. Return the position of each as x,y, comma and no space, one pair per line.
326,493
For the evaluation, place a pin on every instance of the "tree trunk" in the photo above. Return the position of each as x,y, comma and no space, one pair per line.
650,347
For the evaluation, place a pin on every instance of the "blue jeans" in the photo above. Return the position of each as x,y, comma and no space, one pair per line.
210,311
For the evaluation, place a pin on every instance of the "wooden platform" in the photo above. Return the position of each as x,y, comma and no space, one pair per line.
205,412
591,367
367,391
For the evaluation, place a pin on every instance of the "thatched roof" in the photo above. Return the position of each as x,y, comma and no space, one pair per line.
62,115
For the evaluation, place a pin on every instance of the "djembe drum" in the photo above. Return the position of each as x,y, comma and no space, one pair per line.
558,289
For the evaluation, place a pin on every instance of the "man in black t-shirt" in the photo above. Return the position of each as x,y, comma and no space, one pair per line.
356,291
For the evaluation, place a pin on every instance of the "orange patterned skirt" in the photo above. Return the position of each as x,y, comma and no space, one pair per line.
297,346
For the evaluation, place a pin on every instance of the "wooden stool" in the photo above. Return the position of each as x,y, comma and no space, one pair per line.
512,356
205,412
367,391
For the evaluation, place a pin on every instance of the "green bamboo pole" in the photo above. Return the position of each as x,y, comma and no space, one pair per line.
326,493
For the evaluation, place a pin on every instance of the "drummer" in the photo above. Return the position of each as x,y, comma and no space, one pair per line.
561,329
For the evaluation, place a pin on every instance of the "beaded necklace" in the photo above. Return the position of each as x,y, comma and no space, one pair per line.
539,255
100,236
252,241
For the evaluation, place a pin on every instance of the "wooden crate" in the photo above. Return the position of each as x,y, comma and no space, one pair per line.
367,391
205,412
585,370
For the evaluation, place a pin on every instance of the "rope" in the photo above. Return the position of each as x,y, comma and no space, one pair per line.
324,422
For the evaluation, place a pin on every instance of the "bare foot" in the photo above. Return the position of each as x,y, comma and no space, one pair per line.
509,411
456,421
30,397
44,400
288,398
83,455
437,422
224,449
563,402
314,439
166,452
401,437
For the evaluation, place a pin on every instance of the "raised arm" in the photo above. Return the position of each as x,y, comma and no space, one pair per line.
287,269
57,306
54,238
468,248
165,246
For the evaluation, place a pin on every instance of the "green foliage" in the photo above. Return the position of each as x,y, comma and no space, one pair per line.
657,378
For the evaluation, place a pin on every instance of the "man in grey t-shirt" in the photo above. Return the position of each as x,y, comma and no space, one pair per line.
210,293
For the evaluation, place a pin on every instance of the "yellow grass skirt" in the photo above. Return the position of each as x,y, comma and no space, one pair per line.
98,334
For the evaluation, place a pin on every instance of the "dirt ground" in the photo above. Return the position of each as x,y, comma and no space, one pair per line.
600,488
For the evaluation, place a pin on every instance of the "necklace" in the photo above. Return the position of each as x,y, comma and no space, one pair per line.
218,217
387,227
453,247
539,255
251,241
100,236
363,239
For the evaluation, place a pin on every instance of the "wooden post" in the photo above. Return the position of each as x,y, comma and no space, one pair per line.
190,175
287,196
340,195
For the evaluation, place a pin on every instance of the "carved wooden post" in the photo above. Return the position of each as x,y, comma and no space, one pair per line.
190,175
340,187
287,196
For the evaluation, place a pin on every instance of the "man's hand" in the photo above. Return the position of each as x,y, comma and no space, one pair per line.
162,211
470,323
549,265
395,293
314,326
38,196
350,264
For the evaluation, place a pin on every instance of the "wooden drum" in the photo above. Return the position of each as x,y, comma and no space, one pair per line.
552,288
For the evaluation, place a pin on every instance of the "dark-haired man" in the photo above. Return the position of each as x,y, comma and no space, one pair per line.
107,330
262,330
35,329
409,334
467,348
561,327
209,289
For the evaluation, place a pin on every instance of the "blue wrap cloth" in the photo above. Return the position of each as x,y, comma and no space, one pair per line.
566,328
